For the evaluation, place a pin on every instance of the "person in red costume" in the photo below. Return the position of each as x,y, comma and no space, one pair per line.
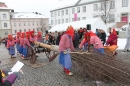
65,46
18,42
112,41
85,41
96,42
10,45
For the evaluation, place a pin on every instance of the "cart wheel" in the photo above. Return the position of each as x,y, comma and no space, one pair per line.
32,59
49,53
31,55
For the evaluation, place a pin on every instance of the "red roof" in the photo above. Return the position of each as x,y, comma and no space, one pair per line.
2,5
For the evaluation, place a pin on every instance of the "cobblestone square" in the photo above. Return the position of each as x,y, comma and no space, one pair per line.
48,73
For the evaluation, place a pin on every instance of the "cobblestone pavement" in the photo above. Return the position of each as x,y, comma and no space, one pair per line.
48,74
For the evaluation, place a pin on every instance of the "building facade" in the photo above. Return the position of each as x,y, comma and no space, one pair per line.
5,26
22,22
116,11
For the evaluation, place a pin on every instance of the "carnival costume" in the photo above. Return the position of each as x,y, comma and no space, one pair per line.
66,46
10,45
98,46
112,42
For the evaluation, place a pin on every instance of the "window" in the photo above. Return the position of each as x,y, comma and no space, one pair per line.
102,6
66,11
51,14
72,19
15,31
37,29
84,18
58,21
40,23
20,31
78,9
84,9
62,20
55,14
24,24
14,24
52,22
111,18
67,20
33,23
73,10
33,29
55,22
24,30
62,12
37,23
58,13
19,24
124,3
6,32
78,18
28,24
4,16
5,24
29,29
112,4
95,7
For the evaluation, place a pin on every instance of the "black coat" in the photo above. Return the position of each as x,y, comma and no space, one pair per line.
103,36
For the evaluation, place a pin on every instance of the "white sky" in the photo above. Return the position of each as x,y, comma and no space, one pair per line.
41,6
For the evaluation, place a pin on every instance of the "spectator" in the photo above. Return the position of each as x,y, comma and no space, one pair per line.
103,37
55,36
76,39
127,46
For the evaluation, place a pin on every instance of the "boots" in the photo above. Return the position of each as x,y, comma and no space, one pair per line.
68,72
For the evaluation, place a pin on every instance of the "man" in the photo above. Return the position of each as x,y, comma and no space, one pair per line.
76,39
65,46
21,44
127,46
32,38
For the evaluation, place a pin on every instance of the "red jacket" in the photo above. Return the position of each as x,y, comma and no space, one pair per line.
112,40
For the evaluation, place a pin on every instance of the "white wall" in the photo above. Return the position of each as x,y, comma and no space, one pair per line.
90,12
28,24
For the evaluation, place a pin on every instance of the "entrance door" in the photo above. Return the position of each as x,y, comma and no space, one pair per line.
124,19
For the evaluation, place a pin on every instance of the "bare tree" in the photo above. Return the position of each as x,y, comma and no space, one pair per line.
106,11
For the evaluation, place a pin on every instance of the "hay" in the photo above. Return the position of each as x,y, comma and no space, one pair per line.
101,67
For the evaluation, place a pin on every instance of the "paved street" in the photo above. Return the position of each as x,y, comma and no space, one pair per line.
44,73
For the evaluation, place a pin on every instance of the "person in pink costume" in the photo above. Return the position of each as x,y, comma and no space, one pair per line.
65,46
10,45
26,44
18,42
96,42
32,38
21,44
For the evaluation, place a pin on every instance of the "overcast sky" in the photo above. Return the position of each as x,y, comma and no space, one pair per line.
41,6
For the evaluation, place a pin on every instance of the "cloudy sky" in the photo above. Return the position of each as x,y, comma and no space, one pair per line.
41,6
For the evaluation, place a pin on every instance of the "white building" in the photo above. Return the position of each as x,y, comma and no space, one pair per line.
76,10
5,27
24,21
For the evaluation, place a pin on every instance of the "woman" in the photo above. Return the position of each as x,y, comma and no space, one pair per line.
10,45
112,41
65,46
96,42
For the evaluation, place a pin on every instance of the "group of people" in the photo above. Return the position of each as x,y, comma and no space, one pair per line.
89,39
22,42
